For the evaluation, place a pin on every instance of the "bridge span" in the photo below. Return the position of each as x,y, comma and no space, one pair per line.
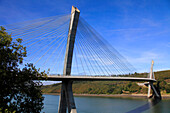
94,78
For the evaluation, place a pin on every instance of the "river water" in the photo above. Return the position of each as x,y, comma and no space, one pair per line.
109,105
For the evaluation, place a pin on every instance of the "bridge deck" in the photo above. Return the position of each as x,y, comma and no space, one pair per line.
92,78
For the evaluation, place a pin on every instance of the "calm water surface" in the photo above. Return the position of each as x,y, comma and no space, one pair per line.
109,105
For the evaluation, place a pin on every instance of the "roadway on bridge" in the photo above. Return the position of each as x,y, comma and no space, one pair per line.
94,78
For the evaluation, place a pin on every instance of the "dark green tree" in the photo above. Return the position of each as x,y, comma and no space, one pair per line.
18,91
134,87
162,85
110,90
117,91
167,88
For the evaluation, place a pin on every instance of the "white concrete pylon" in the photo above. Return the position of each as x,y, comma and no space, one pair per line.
70,40
66,98
150,76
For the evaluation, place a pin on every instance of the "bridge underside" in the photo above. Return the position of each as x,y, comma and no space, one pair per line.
93,78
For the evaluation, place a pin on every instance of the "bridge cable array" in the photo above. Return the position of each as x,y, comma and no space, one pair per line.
46,40
96,55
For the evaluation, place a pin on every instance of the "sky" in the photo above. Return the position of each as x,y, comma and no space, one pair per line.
138,29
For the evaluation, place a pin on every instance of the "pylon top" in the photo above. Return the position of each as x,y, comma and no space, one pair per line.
152,62
75,9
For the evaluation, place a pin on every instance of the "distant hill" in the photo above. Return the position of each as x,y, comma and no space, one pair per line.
115,87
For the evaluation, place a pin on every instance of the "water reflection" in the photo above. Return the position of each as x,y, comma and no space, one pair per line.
151,103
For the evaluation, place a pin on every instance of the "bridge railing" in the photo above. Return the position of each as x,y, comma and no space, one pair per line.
142,75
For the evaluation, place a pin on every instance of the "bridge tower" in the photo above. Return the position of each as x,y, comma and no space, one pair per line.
150,76
66,97
150,85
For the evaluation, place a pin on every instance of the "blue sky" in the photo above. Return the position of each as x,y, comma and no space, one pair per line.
138,29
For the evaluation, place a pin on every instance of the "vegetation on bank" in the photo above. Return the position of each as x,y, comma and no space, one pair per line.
115,87
18,92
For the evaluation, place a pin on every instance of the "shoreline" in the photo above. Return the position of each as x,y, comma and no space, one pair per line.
112,95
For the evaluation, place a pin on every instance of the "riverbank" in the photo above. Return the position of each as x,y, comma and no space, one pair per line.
115,95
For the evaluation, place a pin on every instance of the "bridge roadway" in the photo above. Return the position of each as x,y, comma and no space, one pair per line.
94,78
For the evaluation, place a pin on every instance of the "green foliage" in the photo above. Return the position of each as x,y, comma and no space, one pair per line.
167,87
110,91
18,92
117,91
144,90
162,85
89,89
134,87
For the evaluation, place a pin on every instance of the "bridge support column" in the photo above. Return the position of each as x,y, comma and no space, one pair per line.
150,76
62,102
155,93
149,90
66,97
150,85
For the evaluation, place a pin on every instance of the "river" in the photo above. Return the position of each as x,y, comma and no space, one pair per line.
109,105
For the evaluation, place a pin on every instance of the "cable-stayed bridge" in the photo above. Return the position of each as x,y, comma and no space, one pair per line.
67,45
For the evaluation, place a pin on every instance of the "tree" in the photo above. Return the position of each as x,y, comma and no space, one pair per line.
162,85
117,91
134,87
18,91
110,90
167,88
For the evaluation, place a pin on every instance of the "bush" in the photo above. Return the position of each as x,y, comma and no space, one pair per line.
109,91
134,87
167,88
162,85
117,91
